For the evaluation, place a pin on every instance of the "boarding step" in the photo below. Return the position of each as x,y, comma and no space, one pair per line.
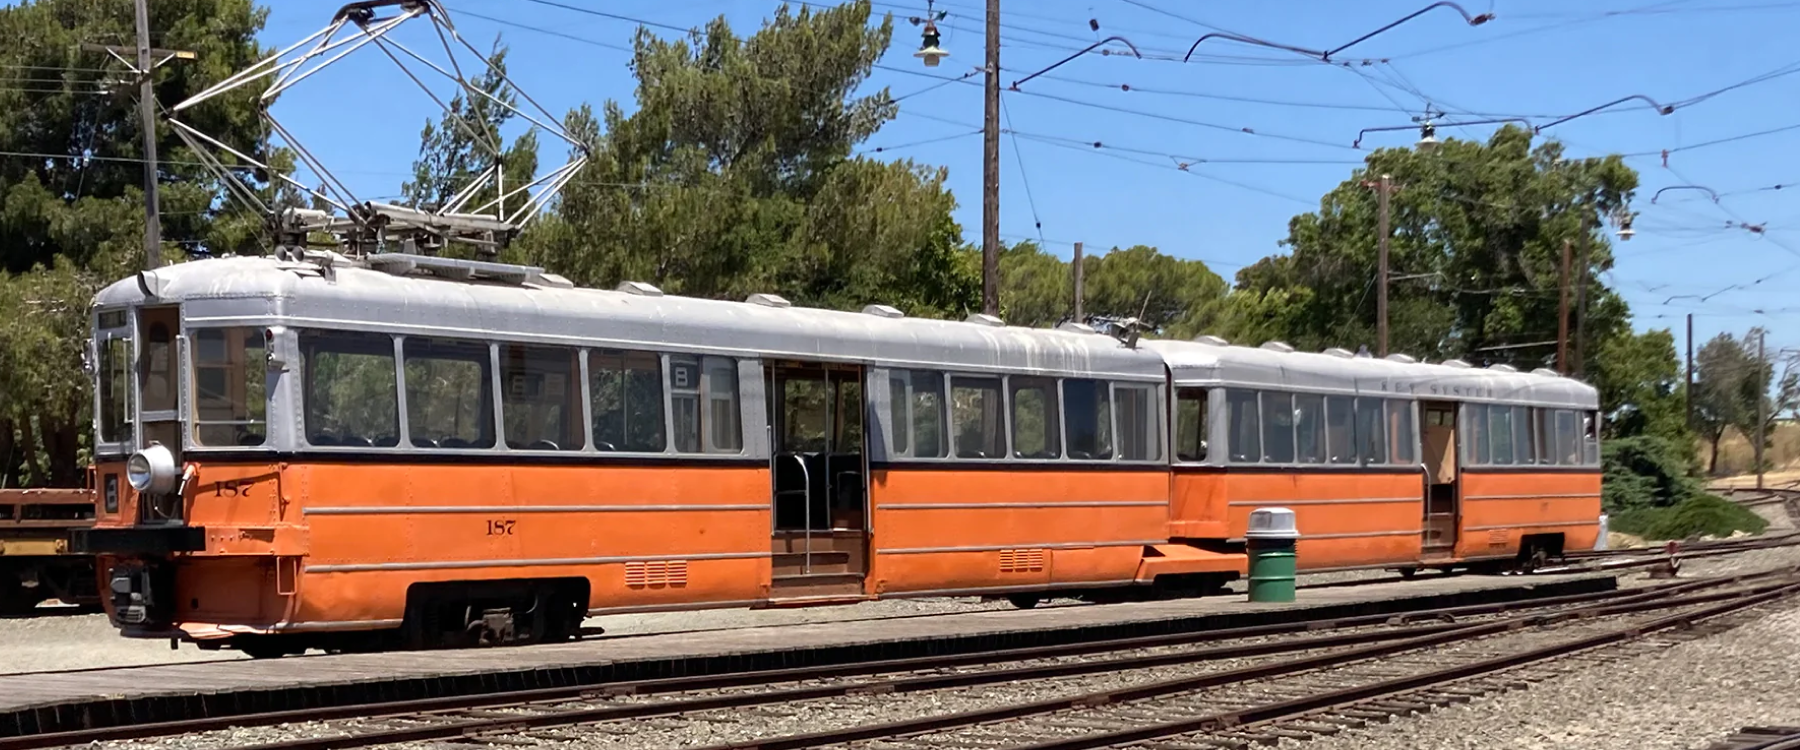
817,585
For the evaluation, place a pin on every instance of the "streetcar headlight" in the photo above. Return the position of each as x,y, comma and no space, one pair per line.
152,470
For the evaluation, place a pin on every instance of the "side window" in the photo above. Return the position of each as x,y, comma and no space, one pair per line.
1340,429
1543,426
625,392
1500,434
349,389
1087,405
1246,426
1568,438
726,432
115,390
541,406
1403,431
916,403
230,397
1190,423
1474,435
709,427
1278,427
1590,438
975,406
1309,428
1035,432
1140,422
1524,446
1371,438
449,393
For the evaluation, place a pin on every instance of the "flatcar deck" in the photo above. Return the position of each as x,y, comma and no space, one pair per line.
45,702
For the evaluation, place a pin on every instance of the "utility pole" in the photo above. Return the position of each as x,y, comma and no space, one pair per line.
1581,272
990,169
1762,402
1688,396
1562,314
1381,279
1078,270
147,118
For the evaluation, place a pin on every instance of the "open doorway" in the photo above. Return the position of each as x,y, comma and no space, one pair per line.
1441,487
820,492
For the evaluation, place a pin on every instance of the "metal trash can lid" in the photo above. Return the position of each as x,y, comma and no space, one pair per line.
1272,523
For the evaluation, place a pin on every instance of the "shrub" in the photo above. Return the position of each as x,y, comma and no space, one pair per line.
1645,472
1699,514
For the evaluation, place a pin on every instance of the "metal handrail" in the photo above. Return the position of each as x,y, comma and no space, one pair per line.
806,482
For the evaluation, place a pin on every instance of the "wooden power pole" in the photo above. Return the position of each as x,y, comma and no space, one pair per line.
990,169
147,116
1562,314
1688,397
1762,401
1078,270
1381,278
1581,283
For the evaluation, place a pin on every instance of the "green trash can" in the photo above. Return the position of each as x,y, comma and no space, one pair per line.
1271,538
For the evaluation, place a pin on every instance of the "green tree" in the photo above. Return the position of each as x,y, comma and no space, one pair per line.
735,175
1727,381
1477,229
72,220
1641,389
467,144
1175,297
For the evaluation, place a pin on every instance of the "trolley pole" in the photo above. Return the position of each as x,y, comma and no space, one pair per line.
990,169
147,118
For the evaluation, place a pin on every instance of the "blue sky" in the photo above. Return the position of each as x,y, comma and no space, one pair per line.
1537,58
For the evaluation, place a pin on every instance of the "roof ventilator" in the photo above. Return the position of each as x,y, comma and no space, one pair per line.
1340,352
985,319
1456,363
1405,359
1277,346
457,269
1545,371
768,300
1503,368
639,288
1211,341
883,311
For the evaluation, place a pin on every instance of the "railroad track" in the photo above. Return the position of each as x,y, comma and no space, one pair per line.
1761,738
1158,666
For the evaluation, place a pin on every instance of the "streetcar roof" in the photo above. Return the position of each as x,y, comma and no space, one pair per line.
258,291
1195,363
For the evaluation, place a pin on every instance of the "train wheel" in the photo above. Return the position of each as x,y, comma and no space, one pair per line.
268,647
1024,601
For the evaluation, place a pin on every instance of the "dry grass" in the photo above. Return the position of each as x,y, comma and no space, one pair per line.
1737,456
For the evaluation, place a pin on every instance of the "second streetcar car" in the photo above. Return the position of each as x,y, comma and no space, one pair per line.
405,451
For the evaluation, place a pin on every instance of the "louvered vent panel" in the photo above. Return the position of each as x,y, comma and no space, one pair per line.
1021,560
656,574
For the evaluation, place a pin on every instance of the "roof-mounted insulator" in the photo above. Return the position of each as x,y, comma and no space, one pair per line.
986,320
1074,327
1405,359
455,269
1211,341
768,300
883,311
1456,363
639,288
1341,352
1278,346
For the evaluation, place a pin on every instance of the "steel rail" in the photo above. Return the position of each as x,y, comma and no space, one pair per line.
1650,601
1401,685
770,676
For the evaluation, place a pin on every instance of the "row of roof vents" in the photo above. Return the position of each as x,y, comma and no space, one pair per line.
401,264
1406,359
